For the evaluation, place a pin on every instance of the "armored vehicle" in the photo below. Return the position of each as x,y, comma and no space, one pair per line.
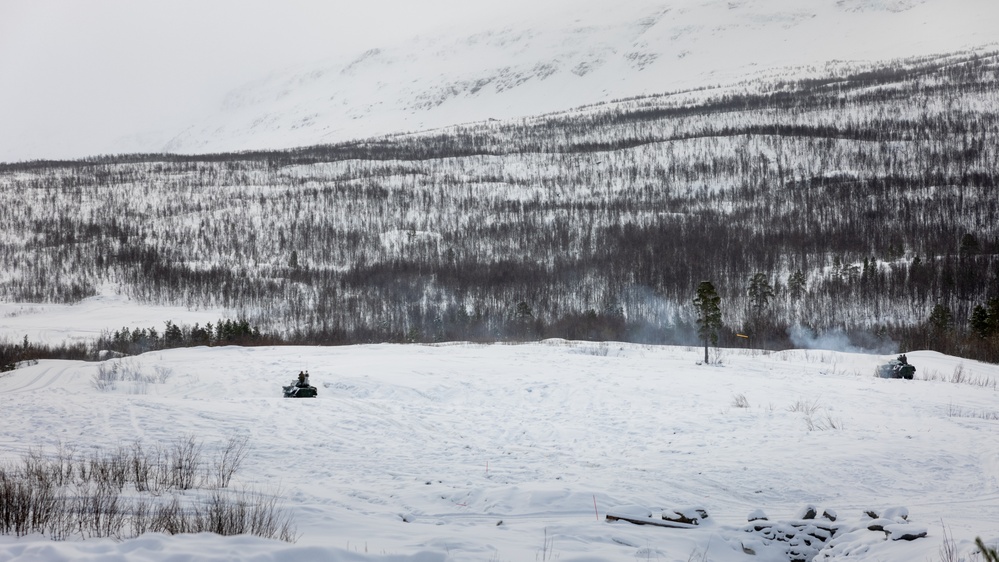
897,369
300,388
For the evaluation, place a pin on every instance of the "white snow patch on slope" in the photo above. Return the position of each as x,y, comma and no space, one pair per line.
585,54
553,56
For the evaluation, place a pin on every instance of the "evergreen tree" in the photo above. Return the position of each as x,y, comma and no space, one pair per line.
984,321
981,324
708,305
940,318
796,285
524,312
760,293
993,312
173,336
199,335
523,317
969,246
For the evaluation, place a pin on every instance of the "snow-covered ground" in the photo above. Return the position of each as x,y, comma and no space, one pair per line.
85,321
518,452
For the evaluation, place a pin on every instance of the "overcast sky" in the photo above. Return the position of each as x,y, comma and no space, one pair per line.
206,39
87,65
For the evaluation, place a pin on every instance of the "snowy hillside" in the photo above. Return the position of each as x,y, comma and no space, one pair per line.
518,452
542,62
551,56
865,200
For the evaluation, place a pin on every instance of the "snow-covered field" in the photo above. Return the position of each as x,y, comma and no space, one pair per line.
518,452
85,321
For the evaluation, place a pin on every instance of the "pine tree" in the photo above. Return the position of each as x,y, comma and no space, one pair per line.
940,318
708,305
992,308
796,285
969,246
981,324
523,316
173,336
760,293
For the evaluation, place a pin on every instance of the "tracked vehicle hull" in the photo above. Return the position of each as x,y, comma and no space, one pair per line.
300,388
295,391
895,369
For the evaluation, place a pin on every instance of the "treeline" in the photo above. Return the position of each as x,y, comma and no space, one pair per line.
14,354
979,339
134,341
865,201
224,332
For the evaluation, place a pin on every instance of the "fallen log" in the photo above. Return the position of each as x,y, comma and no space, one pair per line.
650,521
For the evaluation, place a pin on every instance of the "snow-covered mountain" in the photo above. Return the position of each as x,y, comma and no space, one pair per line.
546,62
555,56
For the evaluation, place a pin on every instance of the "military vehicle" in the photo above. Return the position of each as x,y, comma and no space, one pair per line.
301,388
897,369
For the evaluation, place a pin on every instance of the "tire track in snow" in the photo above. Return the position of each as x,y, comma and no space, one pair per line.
46,378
